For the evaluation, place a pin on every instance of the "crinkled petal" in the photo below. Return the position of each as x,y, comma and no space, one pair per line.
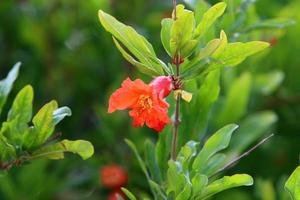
126,96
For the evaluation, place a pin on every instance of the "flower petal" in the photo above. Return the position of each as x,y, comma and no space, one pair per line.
127,95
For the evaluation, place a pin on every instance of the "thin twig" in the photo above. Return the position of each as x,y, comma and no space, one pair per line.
231,163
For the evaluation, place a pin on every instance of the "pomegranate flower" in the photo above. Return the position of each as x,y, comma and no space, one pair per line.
146,101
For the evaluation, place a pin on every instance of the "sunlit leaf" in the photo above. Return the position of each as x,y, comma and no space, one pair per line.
225,183
209,19
217,142
56,151
293,184
134,42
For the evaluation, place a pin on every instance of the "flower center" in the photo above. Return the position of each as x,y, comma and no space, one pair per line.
145,102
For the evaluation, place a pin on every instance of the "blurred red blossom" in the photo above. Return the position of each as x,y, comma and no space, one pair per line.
146,101
113,176
114,195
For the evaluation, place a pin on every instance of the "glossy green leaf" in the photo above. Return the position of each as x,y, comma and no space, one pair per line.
22,106
134,42
236,101
293,184
7,83
56,151
225,183
217,142
209,19
60,113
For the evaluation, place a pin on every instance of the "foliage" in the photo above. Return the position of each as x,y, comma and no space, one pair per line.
21,142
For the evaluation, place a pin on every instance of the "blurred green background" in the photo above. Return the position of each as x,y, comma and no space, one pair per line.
66,55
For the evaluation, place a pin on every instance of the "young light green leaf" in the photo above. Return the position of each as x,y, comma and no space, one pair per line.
22,106
165,33
134,42
293,184
43,126
7,83
235,53
60,113
181,30
209,19
56,151
128,194
225,183
217,142
236,101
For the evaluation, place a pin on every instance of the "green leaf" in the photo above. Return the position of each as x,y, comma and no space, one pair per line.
268,82
257,124
22,106
225,183
151,161
209,19
140,66
7,150
60,113
293,184
236,101
199,182
165,34
7,84
214,47
214,164
217,142
128,194
235,53
134,42
278,23
43,126
186,154
205,98
56,151
181,30
175,178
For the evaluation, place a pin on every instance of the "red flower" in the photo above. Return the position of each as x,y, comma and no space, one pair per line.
113,176
114,195
145,101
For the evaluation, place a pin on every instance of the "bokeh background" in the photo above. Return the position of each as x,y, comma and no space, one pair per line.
66,55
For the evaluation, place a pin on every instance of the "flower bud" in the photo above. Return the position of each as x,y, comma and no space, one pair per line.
163,85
